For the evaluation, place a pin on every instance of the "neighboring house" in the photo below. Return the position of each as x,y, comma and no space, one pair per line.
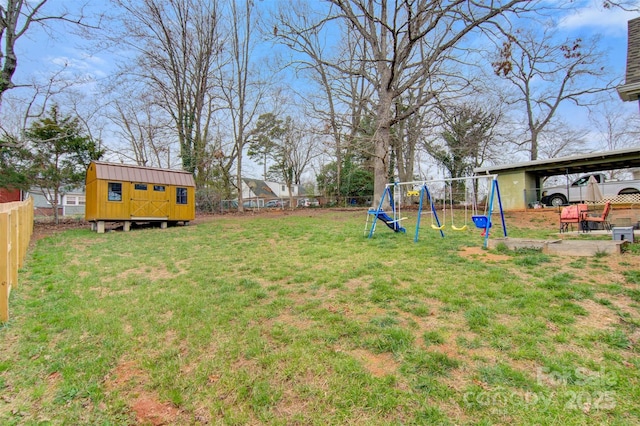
10,195
256,188
71,203
281,190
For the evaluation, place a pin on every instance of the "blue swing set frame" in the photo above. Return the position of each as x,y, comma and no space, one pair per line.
480,221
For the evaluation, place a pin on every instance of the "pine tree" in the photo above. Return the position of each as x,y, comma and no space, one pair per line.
60,155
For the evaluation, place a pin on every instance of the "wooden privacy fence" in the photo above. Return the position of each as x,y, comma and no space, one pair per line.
16,227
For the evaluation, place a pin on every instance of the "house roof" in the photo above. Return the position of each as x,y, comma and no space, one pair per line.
130,173
259,188
630,90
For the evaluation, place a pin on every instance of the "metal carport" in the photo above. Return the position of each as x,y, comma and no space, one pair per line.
519,181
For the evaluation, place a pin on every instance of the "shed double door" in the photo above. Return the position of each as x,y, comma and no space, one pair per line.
149,201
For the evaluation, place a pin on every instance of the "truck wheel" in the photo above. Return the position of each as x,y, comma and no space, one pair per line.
628,191
557,200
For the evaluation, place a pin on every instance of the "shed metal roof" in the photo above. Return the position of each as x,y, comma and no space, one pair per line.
130,173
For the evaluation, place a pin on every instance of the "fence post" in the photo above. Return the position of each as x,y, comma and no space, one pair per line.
14,255
24,235
5,273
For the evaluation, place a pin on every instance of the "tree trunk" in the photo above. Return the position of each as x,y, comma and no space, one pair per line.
382,140
54,204
534,145
239,181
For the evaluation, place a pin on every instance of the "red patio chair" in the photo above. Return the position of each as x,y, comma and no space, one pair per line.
570,215
603,219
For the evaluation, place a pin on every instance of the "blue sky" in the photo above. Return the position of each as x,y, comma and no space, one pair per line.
610,24
41,52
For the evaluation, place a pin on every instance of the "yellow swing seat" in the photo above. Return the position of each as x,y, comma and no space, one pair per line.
453,225
439,228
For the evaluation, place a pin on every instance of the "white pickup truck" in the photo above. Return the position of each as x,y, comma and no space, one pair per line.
558,195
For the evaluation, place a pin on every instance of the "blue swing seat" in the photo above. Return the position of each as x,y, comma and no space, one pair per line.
481,221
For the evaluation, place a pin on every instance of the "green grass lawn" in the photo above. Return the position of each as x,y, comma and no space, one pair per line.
299,319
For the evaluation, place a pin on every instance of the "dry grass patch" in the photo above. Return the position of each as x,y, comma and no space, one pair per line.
153,273
289,319
623,303
378,365
102,291
600,317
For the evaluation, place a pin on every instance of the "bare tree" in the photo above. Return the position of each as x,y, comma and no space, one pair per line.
406,40
176,45
24,109
561,138
220,175
16,19
468,132
337,99
547,73
406,137
288,147
617,128
240,83
140,123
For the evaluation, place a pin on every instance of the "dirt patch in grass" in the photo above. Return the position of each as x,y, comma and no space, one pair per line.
130,380
542,218
42,229
603,270
148,410
481,254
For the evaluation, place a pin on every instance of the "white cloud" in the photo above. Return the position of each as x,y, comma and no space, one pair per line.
592,16
80,64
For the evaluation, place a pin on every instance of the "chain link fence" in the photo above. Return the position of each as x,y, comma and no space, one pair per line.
210,201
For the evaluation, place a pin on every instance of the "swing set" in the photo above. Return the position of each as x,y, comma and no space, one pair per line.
428,202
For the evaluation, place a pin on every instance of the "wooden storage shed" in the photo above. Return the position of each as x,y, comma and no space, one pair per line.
125,193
